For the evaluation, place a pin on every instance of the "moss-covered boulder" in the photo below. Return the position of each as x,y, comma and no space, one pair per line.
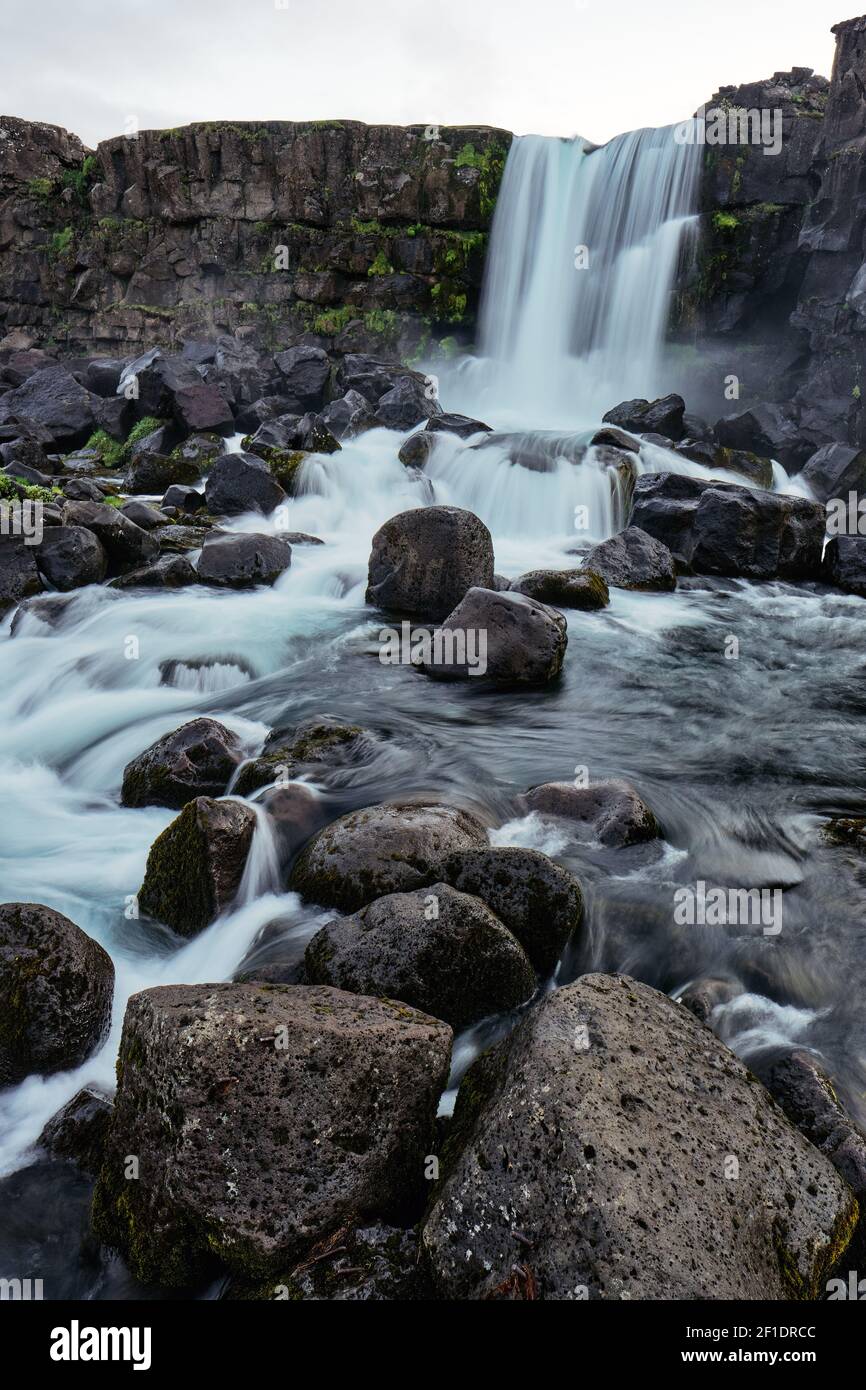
393,848
265,1118
197,759
56,987
442,951
317,743
580,588
154,473
195,867
79,1130
613,1148
540,903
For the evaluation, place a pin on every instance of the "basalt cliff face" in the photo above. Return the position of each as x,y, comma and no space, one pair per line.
355,236
778,289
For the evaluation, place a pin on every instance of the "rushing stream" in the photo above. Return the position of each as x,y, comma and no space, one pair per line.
740,759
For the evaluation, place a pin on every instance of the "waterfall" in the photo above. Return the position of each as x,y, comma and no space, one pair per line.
584,252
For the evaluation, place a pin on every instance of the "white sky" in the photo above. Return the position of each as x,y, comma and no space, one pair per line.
589,67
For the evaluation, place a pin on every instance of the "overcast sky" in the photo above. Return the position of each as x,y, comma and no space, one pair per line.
589,67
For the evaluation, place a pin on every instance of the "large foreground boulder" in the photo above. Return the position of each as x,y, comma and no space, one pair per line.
56,986
439,950
612,1147
425,560
195,867
720,528
540,903
611,812
382,849
512,639
197,759
242,559
264,1119
633,560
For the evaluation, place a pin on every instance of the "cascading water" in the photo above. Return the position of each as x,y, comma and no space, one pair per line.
645,693
584,252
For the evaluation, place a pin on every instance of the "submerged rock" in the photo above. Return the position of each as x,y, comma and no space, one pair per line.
464,426
56,987
612,812
593,1149
633,560
580,588
197,759
195,867
316,742
79,1130
437,949
266,1118
391,848
424,561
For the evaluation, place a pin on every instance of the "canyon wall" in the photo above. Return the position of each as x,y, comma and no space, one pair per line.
360,237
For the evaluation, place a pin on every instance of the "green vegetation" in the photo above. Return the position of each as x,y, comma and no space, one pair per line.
40,188
60,243
116,455
381,265
12,488
725,222
490,163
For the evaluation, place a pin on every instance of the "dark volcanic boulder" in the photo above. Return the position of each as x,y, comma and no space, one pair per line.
633,560
56,987
593,1159
799,1084
69,557
305,372
55,401
202,407
19,577
834,471
242,559
612,812
845,564
766,430
79,1130
314,744
195,867
406,403
664,416
382,849
167,572
425,560
241,483
197,759
155,473
720,528
716,457
518,641
266,1119
416,450
462,425
127,546
365,1264
540,903
580,588
439,950
143,514
351,415
185,499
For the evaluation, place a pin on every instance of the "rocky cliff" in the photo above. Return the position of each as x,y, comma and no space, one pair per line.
357,236
778,293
